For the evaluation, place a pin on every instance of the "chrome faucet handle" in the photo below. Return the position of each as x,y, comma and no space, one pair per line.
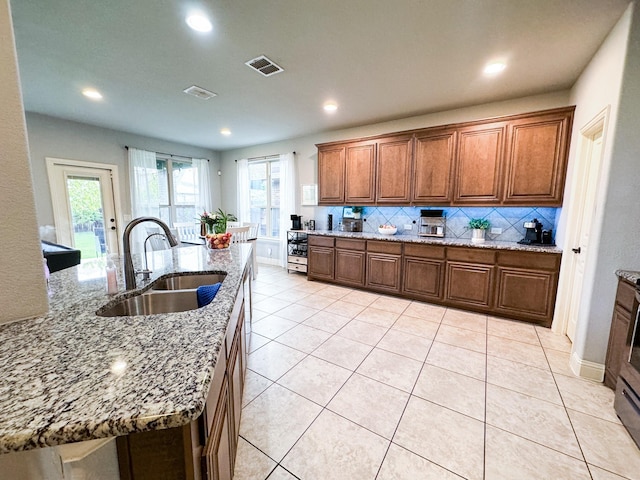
146,274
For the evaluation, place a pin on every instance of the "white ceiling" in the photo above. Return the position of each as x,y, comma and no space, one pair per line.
379,59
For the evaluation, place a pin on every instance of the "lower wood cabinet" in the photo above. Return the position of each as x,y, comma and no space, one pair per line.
622,321
525,292
384,262
320,258
350,259
423,270
469,284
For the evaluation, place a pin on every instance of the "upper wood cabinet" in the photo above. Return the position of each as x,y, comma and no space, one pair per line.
393,170
537,159
360,173
331,173
433,164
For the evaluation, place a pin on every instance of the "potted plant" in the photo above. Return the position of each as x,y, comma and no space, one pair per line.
357,211
478,227
216,222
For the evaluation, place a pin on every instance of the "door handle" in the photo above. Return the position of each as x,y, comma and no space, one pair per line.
576,250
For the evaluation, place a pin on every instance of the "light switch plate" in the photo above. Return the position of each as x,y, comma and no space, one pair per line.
496,231
408,226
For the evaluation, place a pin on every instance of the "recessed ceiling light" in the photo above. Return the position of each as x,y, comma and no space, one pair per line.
494,68
199,23
92,93
225,131
330,107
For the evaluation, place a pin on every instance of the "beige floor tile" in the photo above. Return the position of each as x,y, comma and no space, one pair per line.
375,316
552,340
405,344
442,436
258,297
344,309
269,289
370,404
362,332
296,312
361,298
315,379
343,352
280,474
559,362
416,326
274,360
461,337
523,378
519,331
390,368
303,338
327,322
401,464
311,287
456,359
606,444
271,305
536,420
257,314
335,448
467,320
333,291
254,385
276,432
257,341
516,351
425,311
587,397
391,304
452,390
251,463
601,474
272,326
314,301
291,293
511,457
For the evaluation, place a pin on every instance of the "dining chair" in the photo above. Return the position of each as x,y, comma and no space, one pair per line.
232,225
187,231
253,229
238,234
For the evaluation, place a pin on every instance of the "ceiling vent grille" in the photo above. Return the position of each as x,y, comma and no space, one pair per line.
199,92
264,66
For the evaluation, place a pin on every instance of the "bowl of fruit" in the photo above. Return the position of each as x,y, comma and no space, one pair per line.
217,241
387,229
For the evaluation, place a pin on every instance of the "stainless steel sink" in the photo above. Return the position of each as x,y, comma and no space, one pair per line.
182,282
153,302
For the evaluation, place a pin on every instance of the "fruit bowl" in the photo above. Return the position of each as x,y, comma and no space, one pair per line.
217,241
387,229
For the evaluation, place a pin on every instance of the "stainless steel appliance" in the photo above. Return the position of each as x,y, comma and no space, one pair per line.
351,225
432,223
533,234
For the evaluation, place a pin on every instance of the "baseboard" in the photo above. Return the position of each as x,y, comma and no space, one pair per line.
585,369
269,261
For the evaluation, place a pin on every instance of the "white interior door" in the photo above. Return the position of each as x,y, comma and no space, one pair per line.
591,159
84,204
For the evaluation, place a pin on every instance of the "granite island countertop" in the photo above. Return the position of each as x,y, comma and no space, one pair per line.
629,275
71,375
452,242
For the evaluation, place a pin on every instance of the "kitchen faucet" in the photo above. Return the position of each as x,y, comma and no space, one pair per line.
129,272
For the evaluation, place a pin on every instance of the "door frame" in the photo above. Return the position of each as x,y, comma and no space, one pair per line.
58,203
600,122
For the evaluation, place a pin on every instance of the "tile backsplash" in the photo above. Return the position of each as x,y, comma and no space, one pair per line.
509,219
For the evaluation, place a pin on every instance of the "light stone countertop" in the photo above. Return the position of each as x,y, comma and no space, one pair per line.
56,380
629,275
452,242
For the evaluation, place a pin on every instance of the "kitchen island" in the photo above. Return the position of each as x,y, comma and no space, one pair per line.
72,375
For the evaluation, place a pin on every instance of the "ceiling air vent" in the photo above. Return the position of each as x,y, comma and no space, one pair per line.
199,92
264,66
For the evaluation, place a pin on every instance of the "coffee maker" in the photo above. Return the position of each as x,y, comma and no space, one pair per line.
533,233
296,222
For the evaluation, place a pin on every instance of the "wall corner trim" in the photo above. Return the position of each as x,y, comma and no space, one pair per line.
585,369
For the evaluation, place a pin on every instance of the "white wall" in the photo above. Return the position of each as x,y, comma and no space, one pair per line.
20,255
54,137
612,78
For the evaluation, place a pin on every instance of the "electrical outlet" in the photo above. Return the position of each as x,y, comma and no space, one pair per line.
269,252
496,231
408,226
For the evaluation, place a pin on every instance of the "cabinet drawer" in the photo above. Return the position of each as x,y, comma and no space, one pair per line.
320,241
535,260
297,259
423,251
297,267
475,255
350,244
625,296
393,248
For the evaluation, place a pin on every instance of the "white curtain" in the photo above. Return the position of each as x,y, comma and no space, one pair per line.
203,202
243,200
145,200
287,200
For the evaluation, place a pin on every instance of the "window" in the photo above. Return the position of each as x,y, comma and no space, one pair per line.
177,190
264,196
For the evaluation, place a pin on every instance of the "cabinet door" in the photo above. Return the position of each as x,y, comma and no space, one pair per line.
217,454
526,294
383,272
235,375
320,262
350,267
537,159
619,342
479,164
423,278
469,284
331,163
433,166
393,170
360,173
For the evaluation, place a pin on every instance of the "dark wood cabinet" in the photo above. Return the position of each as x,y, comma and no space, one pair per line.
393,170
423,271
537,158
479,164
360,173
384,261
469,284
433,165
622,321
331,172
350,261
320,257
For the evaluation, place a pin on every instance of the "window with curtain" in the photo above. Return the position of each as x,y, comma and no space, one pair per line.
264,196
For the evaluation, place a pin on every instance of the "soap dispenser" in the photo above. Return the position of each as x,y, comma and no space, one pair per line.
112,276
